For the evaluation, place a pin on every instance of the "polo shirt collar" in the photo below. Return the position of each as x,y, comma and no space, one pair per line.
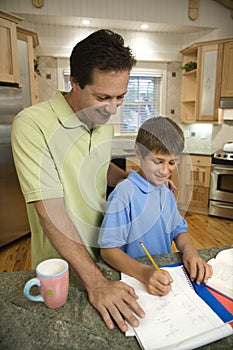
64,112
142,183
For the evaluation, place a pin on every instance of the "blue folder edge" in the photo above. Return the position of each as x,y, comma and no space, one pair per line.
210,299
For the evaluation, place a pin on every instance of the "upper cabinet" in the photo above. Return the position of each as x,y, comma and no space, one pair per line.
201,87
9,68
227,74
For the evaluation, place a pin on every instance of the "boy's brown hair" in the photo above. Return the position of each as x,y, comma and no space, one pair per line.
160,135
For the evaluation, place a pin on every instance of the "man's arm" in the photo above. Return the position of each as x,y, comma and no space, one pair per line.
110,298
115,174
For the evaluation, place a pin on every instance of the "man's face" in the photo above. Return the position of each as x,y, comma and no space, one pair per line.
98,101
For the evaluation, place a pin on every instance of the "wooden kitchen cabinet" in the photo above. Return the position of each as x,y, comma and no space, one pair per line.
189,88
132,163
209,82
201,87
227,74
9,68
192,180
27,40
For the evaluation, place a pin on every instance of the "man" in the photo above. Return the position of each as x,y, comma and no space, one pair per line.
62,153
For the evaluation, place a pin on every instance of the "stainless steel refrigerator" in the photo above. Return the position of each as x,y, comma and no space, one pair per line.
13,215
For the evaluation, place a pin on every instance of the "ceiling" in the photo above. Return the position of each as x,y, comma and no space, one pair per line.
108,23
226,3
69,21
38,16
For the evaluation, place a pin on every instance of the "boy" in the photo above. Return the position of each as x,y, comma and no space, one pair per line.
142,208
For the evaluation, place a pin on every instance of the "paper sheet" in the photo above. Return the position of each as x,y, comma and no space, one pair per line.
222,279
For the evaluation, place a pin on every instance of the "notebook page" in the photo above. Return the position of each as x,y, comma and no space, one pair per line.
176,317
222,279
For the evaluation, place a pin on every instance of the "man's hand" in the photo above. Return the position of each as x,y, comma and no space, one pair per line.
169,183
115,300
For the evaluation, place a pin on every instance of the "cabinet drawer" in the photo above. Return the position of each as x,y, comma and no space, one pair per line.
199,160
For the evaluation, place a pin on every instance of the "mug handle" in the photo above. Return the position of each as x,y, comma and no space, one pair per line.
32,282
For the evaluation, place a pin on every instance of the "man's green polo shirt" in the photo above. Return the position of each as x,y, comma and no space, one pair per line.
57,156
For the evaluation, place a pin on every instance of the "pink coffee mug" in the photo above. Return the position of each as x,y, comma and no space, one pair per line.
53,282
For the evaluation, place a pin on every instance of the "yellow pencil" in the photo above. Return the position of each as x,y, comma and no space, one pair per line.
149,256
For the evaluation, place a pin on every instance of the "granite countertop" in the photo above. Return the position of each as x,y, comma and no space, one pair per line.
200,152
76,325
129,152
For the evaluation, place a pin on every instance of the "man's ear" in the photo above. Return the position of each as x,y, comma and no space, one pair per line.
137,151
74,84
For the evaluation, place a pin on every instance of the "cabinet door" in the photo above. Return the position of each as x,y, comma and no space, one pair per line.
200,197
193,187
227,76
209,82
201,176
9,70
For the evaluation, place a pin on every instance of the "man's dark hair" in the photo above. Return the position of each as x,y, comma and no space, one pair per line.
103,50
160,135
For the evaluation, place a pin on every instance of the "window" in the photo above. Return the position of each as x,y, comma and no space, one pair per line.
141,102
67,83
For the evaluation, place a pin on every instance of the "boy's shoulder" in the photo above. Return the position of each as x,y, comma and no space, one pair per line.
123,190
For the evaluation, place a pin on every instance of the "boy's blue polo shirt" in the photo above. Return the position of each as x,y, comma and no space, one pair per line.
138,210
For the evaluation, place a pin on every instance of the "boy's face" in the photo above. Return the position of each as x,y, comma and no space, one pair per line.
157,168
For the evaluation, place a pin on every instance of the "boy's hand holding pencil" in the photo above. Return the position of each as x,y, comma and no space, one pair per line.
157,281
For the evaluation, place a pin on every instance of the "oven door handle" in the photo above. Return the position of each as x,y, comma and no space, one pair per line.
221,206
226,170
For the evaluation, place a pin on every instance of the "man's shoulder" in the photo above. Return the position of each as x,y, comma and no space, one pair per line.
39,113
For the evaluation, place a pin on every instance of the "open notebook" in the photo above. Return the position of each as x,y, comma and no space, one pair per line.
180,320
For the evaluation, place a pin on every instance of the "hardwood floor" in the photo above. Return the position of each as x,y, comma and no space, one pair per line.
206,231
16,256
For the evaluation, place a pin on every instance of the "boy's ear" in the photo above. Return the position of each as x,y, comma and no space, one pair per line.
137,151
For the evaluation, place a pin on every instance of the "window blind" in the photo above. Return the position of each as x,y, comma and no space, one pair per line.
141,102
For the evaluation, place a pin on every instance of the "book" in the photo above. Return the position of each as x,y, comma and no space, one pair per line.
180,320
222,279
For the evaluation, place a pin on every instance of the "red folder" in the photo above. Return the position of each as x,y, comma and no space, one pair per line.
226,302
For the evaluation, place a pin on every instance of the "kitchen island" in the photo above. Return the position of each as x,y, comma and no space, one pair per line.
76,325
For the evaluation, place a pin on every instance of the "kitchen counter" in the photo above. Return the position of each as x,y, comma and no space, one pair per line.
76,325
129,152
200,152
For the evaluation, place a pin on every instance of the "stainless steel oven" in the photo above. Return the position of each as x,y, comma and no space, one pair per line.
221,185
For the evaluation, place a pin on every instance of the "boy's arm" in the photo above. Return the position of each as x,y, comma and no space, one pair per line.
156,283
198,269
